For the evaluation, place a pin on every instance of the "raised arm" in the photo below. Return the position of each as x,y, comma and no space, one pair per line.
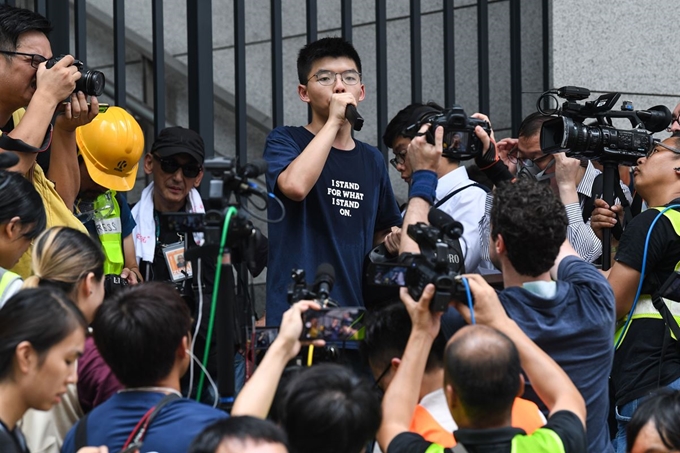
255,399
551,383
401,397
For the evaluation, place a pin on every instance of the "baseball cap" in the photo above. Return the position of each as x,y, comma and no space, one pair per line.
179,140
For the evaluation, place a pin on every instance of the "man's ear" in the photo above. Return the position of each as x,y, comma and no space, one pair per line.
199,178
499,243
183,348
451,396
148,164
395,362
13,228
520,390
302,92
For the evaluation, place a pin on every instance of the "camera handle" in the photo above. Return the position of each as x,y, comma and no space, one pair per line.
610,184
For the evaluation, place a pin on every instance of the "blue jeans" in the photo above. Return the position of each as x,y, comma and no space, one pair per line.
624,414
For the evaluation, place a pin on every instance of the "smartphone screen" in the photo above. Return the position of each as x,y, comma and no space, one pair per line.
334,324
386,275
264,337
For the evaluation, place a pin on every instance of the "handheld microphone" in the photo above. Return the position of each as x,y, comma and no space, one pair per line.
255,168
656,119
8,159
445,223
357,121
324,280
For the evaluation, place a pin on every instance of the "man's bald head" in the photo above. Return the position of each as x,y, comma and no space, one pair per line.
482,366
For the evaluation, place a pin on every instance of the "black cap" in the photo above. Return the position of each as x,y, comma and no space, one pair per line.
179,140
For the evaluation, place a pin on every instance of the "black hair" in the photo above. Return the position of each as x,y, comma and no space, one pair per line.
43,317
533,223
138,331
15,21
662,409
329,405
387,333
531,125
407,116
242,428
332,47
18,198
483,367
278,409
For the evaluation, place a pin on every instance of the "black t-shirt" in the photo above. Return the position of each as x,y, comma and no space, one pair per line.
12,441
564,423
636,369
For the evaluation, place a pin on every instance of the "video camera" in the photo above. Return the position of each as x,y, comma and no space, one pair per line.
602,141
319,290
460,141
441,262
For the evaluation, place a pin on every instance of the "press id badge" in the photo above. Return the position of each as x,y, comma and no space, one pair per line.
178,268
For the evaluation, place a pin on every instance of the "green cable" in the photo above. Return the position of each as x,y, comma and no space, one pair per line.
231,211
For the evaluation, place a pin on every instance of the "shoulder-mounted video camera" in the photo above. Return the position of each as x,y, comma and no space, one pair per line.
600,141
460,141
441,261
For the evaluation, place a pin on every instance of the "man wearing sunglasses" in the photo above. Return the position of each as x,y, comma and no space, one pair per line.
30,95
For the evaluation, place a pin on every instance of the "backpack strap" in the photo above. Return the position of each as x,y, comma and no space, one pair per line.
137,434
460,189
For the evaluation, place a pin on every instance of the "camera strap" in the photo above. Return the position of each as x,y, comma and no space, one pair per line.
460,189
137,434
666,315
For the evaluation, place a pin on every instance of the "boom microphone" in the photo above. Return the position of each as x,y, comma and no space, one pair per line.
656,119
324,280
445,223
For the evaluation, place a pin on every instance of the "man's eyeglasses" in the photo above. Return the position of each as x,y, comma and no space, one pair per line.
170,166
398,159
675,119
326,78
655,149
382,375
35,58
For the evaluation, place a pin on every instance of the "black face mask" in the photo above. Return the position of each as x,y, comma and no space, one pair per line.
528,169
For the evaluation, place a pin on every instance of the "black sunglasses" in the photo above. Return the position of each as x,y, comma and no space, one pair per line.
170,166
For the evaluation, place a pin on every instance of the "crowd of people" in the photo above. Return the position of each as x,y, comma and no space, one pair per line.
106,318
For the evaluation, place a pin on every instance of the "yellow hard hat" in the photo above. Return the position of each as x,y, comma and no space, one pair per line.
111,146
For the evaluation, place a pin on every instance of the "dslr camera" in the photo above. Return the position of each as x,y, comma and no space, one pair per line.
601,140
91,82
441,262
113,284
460,141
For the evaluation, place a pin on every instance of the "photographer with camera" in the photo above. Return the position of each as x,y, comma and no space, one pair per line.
483,376
578,183
562,303
647,354
29,97
457,195
109,149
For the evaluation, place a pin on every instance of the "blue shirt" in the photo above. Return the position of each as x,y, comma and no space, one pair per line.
173,429
576,329
335,223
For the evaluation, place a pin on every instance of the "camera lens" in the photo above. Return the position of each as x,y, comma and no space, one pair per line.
91,83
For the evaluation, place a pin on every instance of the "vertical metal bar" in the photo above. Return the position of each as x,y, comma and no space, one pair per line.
80,20
40,7
240,79
277,63
381,66
11,3
449,55
546,45
119,52
58,12
515,65
158,67
200,71
416,59
312,26
483,54
346,21
312,22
